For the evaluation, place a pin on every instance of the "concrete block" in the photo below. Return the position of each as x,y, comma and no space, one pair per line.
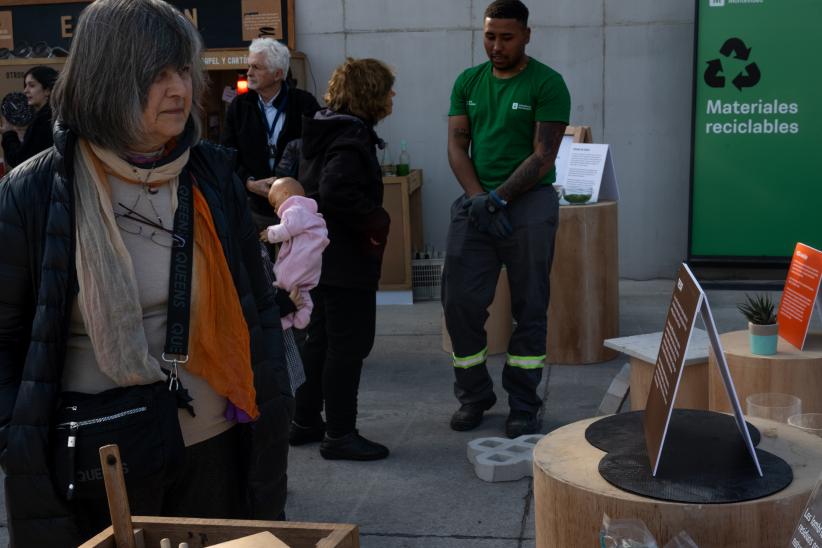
501,459
377,15
617,392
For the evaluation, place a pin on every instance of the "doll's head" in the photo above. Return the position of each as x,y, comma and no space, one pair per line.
282,189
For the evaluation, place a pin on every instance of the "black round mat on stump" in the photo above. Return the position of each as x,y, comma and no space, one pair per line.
704,460
618,432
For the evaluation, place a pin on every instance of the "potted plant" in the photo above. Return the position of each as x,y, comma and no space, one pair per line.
760,312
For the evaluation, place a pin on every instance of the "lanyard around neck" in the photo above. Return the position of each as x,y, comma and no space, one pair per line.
270,129
182,260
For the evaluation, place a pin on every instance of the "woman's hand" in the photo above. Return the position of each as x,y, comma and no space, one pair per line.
296,298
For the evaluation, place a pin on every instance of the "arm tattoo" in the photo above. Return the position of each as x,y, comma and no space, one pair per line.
529,172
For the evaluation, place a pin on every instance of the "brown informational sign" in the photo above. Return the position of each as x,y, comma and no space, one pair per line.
262,18
808,532
6,30
687,301
685,304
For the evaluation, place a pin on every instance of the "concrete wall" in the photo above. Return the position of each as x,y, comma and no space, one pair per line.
628,64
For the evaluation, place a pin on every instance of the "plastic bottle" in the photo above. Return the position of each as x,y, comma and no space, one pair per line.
386,166
404,163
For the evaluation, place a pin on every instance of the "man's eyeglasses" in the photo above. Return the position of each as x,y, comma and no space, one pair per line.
135,223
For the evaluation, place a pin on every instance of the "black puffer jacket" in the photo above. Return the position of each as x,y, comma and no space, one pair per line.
340,170
37,289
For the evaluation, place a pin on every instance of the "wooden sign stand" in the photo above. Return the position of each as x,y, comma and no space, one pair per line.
687,301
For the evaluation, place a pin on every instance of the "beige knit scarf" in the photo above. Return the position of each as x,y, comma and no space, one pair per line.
108,298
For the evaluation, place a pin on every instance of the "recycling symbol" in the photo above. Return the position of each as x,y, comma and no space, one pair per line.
747,78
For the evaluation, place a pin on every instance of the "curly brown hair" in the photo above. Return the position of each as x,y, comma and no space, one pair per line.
360,87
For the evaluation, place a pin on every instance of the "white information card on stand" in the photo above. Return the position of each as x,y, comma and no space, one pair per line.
586,173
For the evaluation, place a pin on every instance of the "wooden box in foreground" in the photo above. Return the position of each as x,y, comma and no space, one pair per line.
206,532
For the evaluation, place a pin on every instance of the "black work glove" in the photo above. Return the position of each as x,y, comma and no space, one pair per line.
487,211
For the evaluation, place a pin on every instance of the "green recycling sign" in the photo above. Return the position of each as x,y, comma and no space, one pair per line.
756,185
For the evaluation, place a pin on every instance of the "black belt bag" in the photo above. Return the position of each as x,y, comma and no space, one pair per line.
141,420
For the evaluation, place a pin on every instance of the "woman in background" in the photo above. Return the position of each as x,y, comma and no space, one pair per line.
38,83
340,170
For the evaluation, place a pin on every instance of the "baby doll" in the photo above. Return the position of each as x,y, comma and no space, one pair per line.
303,236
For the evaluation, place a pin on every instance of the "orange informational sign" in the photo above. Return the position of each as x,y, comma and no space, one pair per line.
799,296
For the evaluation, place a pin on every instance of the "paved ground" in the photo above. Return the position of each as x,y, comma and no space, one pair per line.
426,494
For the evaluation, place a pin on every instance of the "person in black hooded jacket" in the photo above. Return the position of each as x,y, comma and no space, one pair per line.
340,170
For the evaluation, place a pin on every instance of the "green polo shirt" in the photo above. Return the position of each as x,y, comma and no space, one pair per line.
503,113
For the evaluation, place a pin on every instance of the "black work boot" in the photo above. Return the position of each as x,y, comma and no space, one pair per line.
469,415
352,446
520,423
300,435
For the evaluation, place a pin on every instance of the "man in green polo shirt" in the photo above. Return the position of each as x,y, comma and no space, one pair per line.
506,122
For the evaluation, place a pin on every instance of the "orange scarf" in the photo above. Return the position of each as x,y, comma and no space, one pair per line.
220,347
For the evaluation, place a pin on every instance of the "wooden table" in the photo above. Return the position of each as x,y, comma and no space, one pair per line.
571,497
789,371
643,351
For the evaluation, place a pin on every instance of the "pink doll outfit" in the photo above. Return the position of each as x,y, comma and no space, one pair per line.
304,236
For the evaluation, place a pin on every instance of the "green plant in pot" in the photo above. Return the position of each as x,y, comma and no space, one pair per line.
760,312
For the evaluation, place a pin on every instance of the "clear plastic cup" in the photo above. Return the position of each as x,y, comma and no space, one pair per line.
807,422
773,406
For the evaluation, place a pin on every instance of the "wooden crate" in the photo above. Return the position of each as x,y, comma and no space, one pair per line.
206,532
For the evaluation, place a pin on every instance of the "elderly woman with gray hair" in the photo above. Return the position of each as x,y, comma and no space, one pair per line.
133,305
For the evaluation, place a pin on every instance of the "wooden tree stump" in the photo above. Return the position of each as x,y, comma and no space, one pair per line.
571,496
584,308
789,371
